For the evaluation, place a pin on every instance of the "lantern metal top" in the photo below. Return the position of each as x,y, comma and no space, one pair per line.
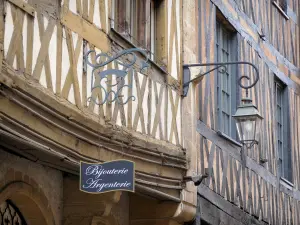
247,109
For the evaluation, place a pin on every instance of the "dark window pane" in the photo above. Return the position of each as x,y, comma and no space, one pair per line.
225,101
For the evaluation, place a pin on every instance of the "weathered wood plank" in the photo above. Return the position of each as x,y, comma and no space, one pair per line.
2,27
29,47
211,157
174,109
45,41
119,108
1,56
218,169
59,58
149,106
129,107
91,10
15,48
40,18
97,92
86,30
226,206
157,118
78,7
139,114
224,163
73,65
24,6
69,78
84,75
85,9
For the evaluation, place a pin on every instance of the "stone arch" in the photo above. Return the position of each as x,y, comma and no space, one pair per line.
29,196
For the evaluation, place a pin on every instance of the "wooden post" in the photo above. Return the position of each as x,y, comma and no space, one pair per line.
1,33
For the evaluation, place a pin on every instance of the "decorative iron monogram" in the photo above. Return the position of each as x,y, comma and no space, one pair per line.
103,59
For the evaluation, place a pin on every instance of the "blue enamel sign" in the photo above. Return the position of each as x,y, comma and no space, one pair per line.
109,176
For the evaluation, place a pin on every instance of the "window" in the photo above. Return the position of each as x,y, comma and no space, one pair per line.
226,81
135,20
282,130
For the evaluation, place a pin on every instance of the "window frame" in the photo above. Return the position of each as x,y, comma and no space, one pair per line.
131,28
232,69
285,153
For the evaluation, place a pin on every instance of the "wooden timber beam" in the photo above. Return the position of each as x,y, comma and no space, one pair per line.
234,151
24,6
214,209
85,30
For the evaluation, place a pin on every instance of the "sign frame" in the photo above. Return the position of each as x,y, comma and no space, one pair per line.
119,189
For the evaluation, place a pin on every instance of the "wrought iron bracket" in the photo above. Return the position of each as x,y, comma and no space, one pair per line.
187,74
197,180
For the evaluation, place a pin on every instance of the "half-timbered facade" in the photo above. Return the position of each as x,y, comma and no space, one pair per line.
257,185
56,109
52,115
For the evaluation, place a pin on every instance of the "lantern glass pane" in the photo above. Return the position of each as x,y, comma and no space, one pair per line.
258,129
246,128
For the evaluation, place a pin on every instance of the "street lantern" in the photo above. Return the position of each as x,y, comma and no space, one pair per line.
248,122
248,119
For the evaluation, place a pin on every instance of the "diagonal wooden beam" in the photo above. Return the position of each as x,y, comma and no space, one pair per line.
174,109
16,45
69,81
43,53
157,119
140,96
73,65
86,30
47,60
119,107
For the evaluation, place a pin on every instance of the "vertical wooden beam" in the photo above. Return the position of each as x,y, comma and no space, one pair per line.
165,116
47,59
97,92
43,53
139,114
73,66
120,21
15,48
78,7
149,106
1,33
29,48
92,11
84,76
162,34
141,26
129,107
85,10
59,58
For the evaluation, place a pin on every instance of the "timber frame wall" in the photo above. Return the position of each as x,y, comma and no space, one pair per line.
45,88
248,184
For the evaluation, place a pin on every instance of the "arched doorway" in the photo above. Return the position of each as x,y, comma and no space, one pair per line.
10,214
20,210
29,203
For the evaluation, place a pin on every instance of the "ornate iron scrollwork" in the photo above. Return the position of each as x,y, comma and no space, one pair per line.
103,59
217,66
10,214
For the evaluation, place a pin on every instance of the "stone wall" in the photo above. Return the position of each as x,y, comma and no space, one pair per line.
45,181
